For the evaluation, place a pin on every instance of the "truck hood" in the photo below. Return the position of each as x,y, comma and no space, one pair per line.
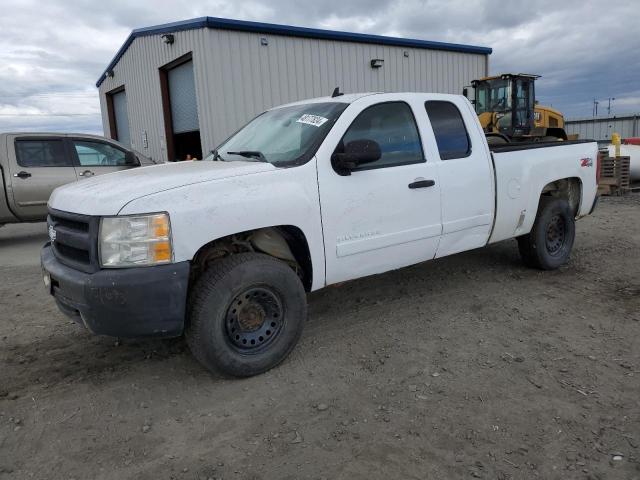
107,194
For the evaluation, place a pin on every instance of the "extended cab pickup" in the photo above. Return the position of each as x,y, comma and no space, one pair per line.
305,195
32,165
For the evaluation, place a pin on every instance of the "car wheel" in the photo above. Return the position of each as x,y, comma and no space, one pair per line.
246,314
548,245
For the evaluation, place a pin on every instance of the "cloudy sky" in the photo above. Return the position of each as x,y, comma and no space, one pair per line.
52,52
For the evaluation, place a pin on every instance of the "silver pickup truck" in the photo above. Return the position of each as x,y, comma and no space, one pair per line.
32,165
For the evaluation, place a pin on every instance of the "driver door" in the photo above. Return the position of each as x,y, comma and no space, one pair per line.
95,157
386,214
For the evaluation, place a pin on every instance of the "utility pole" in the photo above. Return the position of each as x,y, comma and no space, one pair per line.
595,107
611,99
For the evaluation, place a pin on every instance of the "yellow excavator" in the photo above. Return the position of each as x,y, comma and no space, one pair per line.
508,111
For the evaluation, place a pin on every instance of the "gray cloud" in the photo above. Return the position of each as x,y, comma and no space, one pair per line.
52,52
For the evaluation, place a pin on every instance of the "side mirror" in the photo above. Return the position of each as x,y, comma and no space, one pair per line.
356,152
131,159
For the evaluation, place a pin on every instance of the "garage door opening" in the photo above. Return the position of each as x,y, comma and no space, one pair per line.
180,108
118,117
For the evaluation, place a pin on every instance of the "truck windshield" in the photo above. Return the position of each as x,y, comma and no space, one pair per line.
284,136
493,95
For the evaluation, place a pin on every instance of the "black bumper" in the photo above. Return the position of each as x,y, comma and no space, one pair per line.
126,303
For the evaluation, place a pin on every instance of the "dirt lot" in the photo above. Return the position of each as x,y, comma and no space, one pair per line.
470,366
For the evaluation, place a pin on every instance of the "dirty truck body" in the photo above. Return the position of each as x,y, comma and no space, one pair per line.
306,195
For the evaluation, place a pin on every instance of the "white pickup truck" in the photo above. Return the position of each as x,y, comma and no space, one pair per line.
304,196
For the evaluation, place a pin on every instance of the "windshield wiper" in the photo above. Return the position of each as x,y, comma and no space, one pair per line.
250,154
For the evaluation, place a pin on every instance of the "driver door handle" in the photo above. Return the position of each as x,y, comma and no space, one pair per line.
86,173
22,174
422,184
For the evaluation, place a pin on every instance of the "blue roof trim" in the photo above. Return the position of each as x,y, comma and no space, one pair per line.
259,27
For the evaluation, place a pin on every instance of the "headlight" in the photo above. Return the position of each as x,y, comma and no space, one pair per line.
135,241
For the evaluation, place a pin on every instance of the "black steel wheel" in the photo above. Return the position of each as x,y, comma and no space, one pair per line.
254,319
246,314
556,234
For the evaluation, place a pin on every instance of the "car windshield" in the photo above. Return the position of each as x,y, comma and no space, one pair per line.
493,95
283,136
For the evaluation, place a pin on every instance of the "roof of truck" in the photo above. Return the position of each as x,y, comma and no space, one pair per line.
56,134
288,30
342,98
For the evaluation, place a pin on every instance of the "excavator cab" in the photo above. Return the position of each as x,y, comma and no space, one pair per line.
508,111
505,104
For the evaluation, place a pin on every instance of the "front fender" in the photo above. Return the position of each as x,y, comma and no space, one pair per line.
204,212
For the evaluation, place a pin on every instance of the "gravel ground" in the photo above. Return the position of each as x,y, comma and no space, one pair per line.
466,367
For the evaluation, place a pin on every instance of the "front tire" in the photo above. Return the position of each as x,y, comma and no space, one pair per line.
246,314
548,245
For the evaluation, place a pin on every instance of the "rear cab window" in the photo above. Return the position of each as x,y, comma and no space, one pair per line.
42,153
449,129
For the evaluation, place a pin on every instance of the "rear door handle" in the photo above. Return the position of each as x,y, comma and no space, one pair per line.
86,173
22,174
422,184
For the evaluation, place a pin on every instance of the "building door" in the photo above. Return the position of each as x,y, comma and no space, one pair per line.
181,110
118,117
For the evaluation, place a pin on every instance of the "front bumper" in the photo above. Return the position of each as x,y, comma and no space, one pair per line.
127,303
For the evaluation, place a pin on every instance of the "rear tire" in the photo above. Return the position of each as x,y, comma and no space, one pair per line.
548,245
246,314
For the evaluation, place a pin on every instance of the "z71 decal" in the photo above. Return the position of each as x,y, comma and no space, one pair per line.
586,162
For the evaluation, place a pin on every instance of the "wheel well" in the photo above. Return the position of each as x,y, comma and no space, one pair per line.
568,188
285,242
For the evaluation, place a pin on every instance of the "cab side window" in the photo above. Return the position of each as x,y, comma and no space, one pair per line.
42,153
393,126
98,154
449,129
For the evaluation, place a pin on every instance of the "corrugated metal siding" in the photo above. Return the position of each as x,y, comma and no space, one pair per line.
602,128
138,71
237,78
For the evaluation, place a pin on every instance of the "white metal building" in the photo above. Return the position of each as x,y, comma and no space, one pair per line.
601,128
180,89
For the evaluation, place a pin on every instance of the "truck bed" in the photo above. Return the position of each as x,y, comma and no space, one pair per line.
517,146
523,170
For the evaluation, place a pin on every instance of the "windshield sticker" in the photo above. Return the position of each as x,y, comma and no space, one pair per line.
314,120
